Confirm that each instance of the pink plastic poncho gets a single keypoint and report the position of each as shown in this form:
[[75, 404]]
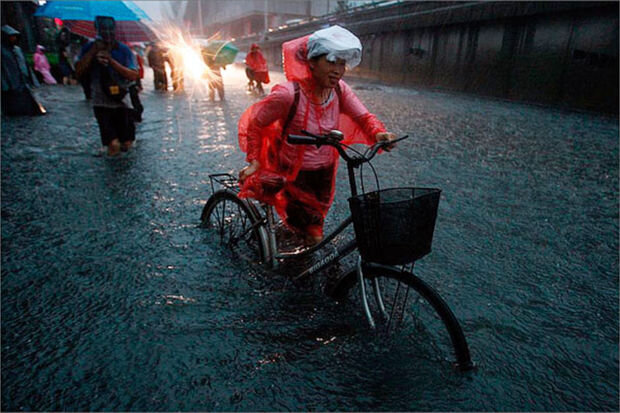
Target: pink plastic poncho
[[261, 137], [42, 66]]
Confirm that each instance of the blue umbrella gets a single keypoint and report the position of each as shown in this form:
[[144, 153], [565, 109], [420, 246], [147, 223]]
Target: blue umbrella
[[88, 10]]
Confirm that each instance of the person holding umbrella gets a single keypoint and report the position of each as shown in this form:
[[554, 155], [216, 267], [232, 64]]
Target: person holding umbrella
[[112, 67], [216, 55], [214, 77]]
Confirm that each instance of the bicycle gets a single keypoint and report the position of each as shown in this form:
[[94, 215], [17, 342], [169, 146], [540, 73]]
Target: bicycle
[[254, 87], [383, 272]]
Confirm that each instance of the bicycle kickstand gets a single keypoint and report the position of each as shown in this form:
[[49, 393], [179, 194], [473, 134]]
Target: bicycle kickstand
[[271, 226]]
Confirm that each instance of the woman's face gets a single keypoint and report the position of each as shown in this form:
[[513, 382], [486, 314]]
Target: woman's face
[[325, 73]]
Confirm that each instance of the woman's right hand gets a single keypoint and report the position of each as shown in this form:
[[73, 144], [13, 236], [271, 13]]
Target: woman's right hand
[[248, 170]]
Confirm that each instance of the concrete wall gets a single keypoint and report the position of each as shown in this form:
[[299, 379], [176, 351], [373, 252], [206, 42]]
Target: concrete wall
[[557, 53]]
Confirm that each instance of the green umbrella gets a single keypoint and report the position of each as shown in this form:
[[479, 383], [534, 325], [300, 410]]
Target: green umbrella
[[223, 51]]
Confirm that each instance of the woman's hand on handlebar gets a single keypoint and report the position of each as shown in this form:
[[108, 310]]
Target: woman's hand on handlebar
[[386, 136], [248, 170]]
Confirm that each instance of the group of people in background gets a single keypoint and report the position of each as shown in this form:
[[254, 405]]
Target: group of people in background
[[19, 76], [307, 101], [159, 56], [68, 47], [110, 74]]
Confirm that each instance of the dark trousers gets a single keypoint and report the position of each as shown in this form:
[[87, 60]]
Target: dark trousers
[[115, 123], [302, 216], [159, 79], [134, 94], [85, 82]]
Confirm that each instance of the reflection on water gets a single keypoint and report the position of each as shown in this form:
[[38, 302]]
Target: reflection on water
[[114, 299]]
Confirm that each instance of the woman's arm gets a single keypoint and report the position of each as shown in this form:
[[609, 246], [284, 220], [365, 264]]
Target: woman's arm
[[275, 106], [369, 123]]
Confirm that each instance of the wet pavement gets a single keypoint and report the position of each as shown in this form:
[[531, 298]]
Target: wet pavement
[[113, 299]]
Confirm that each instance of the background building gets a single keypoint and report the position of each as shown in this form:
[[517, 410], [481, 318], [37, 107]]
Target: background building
[[235, 18], [562, 53], [18, 14]]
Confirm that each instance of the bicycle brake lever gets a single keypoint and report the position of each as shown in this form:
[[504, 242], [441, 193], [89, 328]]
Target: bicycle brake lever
[[402, 138], [392, 142]]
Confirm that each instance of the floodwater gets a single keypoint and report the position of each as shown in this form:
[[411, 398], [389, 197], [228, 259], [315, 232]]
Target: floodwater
[[114, 299]]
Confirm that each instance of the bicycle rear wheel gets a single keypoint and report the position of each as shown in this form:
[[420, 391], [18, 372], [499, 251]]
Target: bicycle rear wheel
[[407, 311], [236, 225]]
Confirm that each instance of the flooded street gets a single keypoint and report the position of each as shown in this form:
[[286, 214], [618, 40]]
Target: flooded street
[[114, 299]]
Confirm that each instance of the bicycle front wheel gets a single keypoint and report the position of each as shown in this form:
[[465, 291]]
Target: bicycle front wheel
[[236, 225], [407, 311]]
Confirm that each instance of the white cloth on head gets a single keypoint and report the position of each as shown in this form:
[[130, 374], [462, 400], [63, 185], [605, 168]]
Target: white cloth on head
[[337, 43]]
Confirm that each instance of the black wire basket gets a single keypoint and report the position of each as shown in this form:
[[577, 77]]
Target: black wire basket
[[395, 226]]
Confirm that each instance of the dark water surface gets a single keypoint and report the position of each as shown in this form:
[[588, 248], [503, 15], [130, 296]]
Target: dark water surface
[[113, 299]]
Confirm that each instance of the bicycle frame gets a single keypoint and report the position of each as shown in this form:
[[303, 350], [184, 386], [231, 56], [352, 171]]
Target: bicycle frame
[[331, 258], [263, 222], [267, 221]]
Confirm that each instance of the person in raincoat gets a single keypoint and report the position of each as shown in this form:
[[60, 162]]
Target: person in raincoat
[[299, 180], [42, 65], [256, 68], [19, 68], [17, 98]]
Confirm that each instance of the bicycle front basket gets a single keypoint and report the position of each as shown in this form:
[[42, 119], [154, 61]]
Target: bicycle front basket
[[395, 226]]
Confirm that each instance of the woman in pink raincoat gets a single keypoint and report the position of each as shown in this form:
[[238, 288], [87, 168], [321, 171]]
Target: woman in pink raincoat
[[299, 179], [42, 66]]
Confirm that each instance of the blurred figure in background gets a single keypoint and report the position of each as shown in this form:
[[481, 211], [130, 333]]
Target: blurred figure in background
[[85, 78], [157, 61], [17, 98], [214, 77], [136, 51], [10, 38], [136, 87], [256, 69], [175, 60], [42, 66], [65, 65]]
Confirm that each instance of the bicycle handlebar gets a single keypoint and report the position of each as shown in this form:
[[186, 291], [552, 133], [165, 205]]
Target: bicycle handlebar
[[301, 140], [333, 139]]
